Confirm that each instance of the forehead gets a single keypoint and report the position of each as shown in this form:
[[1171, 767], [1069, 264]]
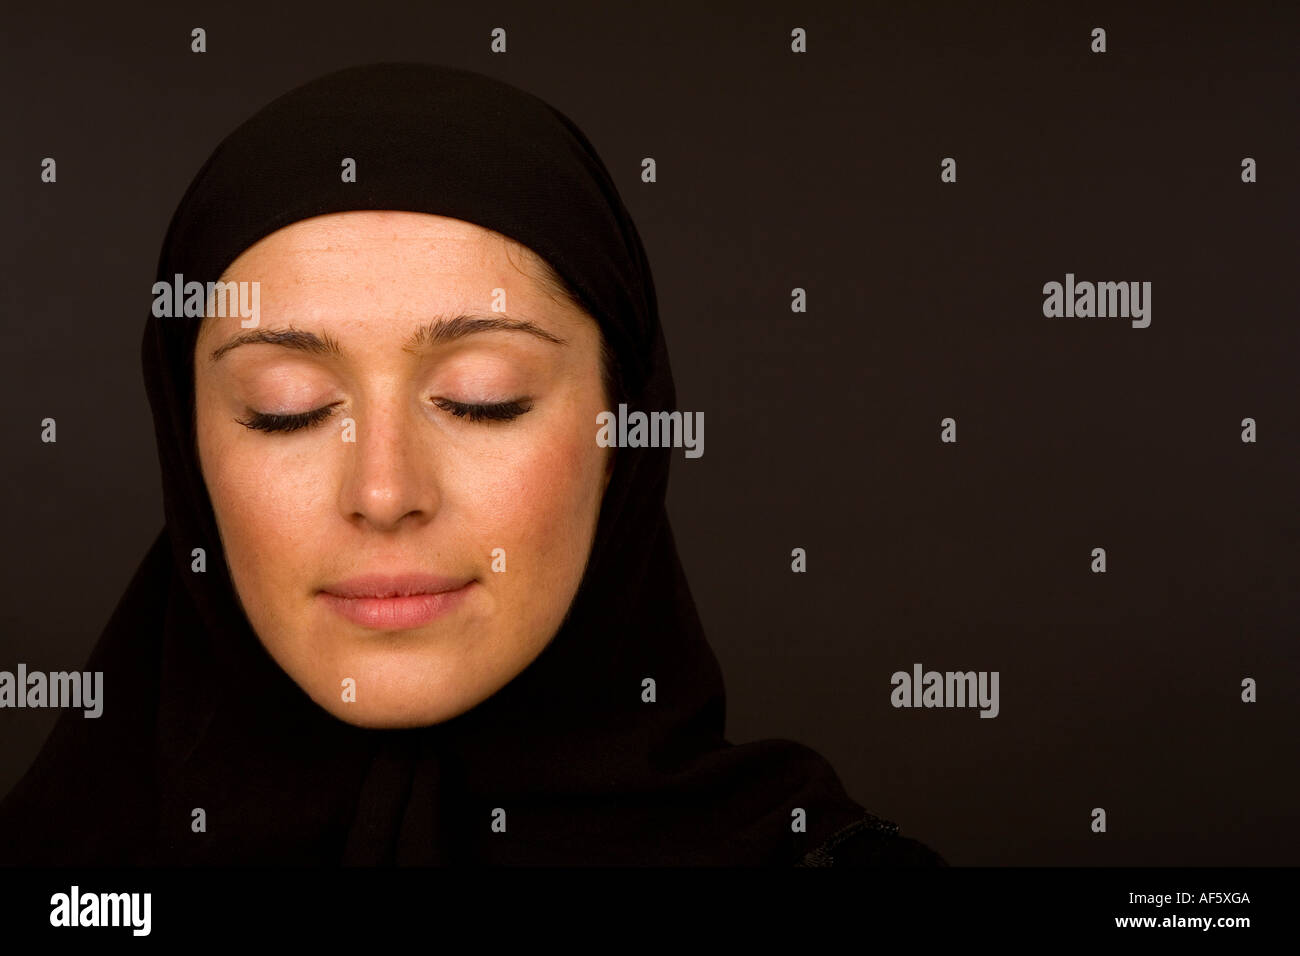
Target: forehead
[[394, 267], [353, 245]]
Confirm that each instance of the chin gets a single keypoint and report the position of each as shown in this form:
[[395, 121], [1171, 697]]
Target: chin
[[381, 681], [389, 718], [394, 711]]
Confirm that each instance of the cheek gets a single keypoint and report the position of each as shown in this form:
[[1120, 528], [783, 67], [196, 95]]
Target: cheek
[[269, 510], [539, 502]]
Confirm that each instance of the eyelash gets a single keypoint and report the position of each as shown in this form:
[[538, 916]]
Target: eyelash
[[498, 412], [491, 413]]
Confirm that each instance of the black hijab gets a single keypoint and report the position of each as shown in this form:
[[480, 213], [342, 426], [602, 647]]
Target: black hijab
[[198, 715]]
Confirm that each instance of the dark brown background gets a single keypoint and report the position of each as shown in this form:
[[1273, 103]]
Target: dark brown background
[[820, 171]]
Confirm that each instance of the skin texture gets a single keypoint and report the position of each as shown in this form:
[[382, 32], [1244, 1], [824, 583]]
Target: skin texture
[[419, 489]]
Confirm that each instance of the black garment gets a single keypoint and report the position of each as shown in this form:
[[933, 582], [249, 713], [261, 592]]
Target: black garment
[[198, 715], [872, 841]]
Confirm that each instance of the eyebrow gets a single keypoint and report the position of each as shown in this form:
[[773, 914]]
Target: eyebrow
[[437, 332]]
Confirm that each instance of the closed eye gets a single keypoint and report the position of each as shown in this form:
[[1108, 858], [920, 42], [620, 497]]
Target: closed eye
[[495, 412], [271, 422]]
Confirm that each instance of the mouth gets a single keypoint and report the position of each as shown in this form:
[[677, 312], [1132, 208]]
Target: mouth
[[395, 602]]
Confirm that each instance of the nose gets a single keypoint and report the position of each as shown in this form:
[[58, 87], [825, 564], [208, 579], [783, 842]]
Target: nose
[[388, 480]]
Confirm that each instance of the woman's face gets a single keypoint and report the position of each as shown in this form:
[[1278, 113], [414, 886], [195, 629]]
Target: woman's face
[[450, 461]]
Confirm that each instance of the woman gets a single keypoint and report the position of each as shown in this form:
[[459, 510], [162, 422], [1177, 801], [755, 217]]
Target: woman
[[405, 608]]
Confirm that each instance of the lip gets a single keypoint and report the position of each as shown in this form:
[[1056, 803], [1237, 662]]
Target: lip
[[395, 601]]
